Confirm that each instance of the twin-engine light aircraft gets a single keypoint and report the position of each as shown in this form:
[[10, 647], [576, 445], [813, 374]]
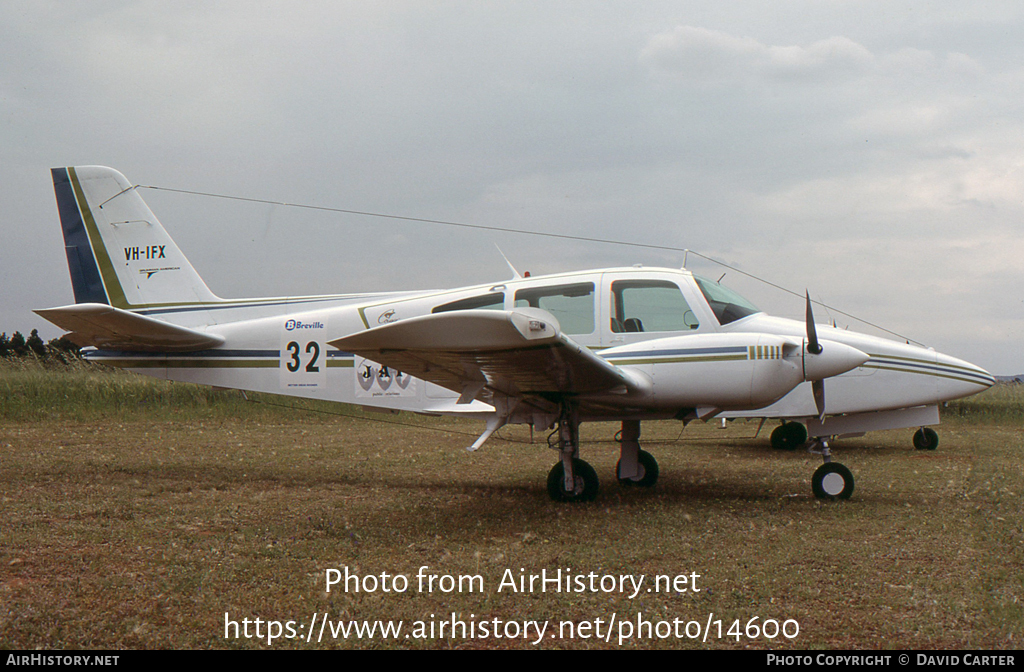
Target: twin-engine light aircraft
[[618, 344]]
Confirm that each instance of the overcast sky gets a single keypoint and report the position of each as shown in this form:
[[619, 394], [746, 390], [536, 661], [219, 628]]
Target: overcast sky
[[871, 152]]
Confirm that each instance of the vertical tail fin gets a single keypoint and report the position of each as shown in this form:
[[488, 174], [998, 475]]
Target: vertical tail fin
[[118, 252]]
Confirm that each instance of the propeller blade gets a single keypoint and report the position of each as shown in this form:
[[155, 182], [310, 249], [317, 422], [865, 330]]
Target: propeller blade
[[813, 346], [818, 387]]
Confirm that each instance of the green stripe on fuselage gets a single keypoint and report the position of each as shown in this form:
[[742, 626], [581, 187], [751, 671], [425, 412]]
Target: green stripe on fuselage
[[920, 372], [676, 360], [927, 362], [138, 363]]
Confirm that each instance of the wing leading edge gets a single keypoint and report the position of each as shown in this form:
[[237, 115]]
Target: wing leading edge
[[481, 352]]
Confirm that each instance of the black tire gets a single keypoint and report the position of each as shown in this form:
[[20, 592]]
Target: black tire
[[648, 471], [926, 438], [789, 436], [796, 433], [832, 481], [586, 483]]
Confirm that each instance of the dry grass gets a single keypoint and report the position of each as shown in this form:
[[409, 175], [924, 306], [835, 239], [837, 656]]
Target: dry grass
[[141, 530]]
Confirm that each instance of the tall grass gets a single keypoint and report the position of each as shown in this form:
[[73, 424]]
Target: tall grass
[[32, 391], [1003, 403]]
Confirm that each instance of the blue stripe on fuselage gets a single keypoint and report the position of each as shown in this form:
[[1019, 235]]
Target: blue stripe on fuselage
[[955, 371], [221, 354], [229, 305]]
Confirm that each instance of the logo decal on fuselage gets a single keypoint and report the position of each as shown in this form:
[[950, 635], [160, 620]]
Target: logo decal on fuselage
[[379, 380], [292, 325], [150, 272], [304, 353]]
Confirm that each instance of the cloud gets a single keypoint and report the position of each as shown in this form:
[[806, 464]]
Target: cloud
[[703, 54]]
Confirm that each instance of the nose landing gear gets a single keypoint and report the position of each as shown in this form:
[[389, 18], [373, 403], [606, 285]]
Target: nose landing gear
[[831, 480]]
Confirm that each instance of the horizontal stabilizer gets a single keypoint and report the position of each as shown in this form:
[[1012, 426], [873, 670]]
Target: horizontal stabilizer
[[479, 352], [102, 326]]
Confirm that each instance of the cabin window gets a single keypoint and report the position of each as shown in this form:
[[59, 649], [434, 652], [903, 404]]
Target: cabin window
[[495, 301], [650, 305], [572, 305], [727, 305]]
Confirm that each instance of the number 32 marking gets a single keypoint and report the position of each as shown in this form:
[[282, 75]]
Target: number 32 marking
[[311, 348]]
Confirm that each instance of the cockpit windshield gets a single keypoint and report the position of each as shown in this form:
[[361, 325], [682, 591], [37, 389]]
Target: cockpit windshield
[[727, 305]]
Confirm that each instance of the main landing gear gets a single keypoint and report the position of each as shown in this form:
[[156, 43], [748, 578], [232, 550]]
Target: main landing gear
[[926, 439], [789, 436], [573, 480], [636, 467]]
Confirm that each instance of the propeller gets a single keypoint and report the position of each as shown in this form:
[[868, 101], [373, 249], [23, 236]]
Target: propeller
[[814, 348], [824, 359]]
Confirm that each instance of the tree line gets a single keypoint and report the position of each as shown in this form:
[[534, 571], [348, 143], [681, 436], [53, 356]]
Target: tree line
[[17, 346]]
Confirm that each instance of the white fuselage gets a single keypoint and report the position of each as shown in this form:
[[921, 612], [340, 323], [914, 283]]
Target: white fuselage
[[653, 322]]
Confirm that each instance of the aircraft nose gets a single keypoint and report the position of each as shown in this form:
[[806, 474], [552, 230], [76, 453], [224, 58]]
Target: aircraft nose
[[834, 359], [960, 378]]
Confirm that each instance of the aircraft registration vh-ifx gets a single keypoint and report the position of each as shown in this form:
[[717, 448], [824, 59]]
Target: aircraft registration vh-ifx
[[618, 344]]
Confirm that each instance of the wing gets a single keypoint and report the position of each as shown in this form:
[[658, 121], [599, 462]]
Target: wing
[[104, 326], [481, 352]]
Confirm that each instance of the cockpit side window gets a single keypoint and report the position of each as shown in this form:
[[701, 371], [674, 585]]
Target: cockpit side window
[[727, 305], [650, 305], [494, 301], [572, 305]]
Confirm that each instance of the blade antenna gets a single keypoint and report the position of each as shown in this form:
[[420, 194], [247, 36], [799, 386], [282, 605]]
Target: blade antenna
[[516, 275]]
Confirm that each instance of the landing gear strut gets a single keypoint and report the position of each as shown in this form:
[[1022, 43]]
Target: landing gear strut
[[636, 467], [571, 479], [926, 439], [831, 480]]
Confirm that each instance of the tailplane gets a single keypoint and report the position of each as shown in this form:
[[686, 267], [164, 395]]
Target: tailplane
[[118, 252]]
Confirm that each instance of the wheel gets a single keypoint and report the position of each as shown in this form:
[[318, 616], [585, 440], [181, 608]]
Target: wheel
[[796, 433], [789, 436], [586, 483], [648, 467], [926, 439], [832, 481]]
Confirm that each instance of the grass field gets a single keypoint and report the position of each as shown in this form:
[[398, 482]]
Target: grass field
[[137, 513]]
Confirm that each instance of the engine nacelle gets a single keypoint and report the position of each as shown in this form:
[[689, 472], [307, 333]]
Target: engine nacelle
[[728, 371]]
